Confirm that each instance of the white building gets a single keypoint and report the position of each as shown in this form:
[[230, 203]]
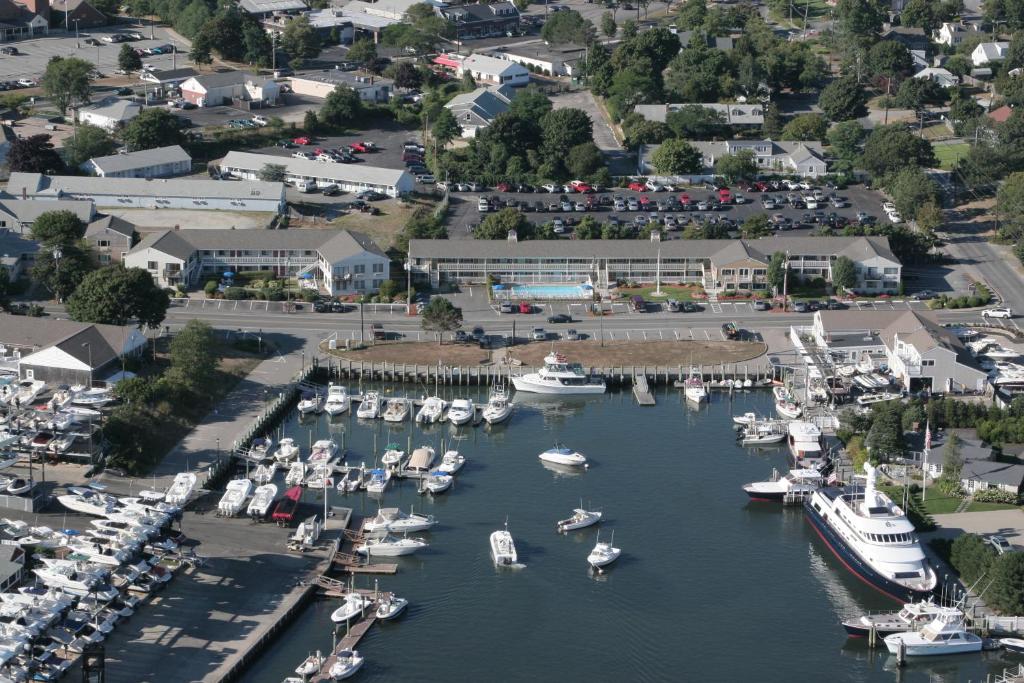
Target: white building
[[348, 177], [110, 113], [20, 214], [732, 114], [160, 162], [552, 60], [486, 69], [952, 33], [476, 110], [985, 53], [340, 261], [799, 158], [943, 77], [230, 88], [144, 193], [322, 83]]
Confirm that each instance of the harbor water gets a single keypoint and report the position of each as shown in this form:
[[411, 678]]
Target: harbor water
[[709, 587]]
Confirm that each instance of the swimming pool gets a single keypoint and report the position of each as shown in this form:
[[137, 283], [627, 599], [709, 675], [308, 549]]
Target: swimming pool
[[514, 291]]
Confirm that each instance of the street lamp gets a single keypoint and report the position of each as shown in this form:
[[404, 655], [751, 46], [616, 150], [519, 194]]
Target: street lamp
[[57, 256], [88, 346]]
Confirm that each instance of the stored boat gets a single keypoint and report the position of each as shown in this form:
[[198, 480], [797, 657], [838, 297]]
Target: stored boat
[[389, 546], [92, 397], [558, 376], [284, 511], [870, 398], [261, 501], [461, 411], [438, 482], [393, 456], [913, 616], [498, 408], [396, 410], [603, 553], [451, 462], [18, 486], [82, 414], [309, 403], [432, 410], [264, 474], [503, 548], [580, 518], [796, 484], [286, 450], [560, 455], [234, 497], [346, 664], [946, 634], [369, 407], [338, 401], [260, 448], [296, 474], [88, 502], [420, 461], [394, 520]]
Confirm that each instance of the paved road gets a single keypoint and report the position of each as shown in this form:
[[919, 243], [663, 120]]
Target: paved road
[[992, 263], [604, 138]]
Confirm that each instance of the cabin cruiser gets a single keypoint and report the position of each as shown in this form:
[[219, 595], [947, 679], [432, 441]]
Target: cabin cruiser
[[396, 521], [580, 518], [66, 576], [353, 606], [234, 497], [797, 483], [785, 404], [558, 376], [296, 474], [286, 450], [379, 480], [945, 634], [323, 451], [763, 433], [432, 410], [604, 553], [261, 501], [346, 664], [498, 408], [913, 616], [337, 401], [805, 442], [369, 407], [873, 538], [503, 548], [421, 460], [438, 482], [88, 501], [693, 389], [389, 546], [560, 455], [461, 411], [396, 410], [451, 462], [393, 456]]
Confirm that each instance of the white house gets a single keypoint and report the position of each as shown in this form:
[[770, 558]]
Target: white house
[[952, 33], [924, 355], [320, 84], [553, 60], [943, 77], [985, 53], [475, 110], [160, 162], [800, 158], [110, 113], [348, 177], [230, 87], [486, 69]]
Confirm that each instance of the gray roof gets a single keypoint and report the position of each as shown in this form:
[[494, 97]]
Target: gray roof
[[117, 163], [28, 210], [542, 52], [483, 103], [12, 247], [979, 463], [12, 561], [221, 79], [113, 108], [491, 66], [107, 224], [68, 335], [734, 114], [333, 245], [168, 75], [54, 186], [847, 321], [349, 78], [169, 242], [263, 6], [374, 175], [923, 332]]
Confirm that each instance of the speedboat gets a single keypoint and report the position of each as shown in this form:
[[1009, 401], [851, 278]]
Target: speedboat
[[580, 518], [558, 376], [260, 448], [61, 422], [797, 484], [353, 606], [785, 404], [379, 479], [61, 398], [461, 411], [337, 401], [390, 606], [351, 481], [390, 546], [286, 450], [320, 475], [296, 474], [745, 418], [1012, 644], [432, 410], [503, 548], [234, 497], [394, 520], [498, 408], [438, 482], [310, 666], [913, 616], [261, 501], [87, 501], [369, 407], [82, 414], [61, 443], [309, 403], [946, 634], [346, 664], [560, 455], [393, 456], [264, 474], [694, 389], [396, 410], [323, 451], [763, 433], [28, 390], [451, 463], [604, 553], [19, 485], [92, 397]]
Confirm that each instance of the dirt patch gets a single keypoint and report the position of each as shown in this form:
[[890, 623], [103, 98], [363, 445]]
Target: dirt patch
[[419, 353], [384, 228]]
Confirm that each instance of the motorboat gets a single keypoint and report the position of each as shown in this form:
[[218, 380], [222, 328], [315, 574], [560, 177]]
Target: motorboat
[[261, 501], [259, 449], [61, 421], [319, 476], [92, 397], [913, 616], [796, 485], [28, 390], [389, 546], [296, 474], [369, 406], [120, 522], [693, 389], [805, 442], [559, 376], [286, 450], [19, 486], [420, 461], [396, 410], [498, 408], [87, 501], [309, 403], [346, 664], [181, 488], [393, 456], [235, 494], [438, 482], [432, 410], [338, 401], [873, 538], [945, 634], [61, 443], [351, 481], [503, 548], [451, 462], [353, 606], [461, 411], [560, 455], [604, 553], [82, 414], [323, 451], [310, 666], [580, 519], [284, 511], [785, 404], [871, 398], [1012, 644], [264, 474], [390, 606], [763, 433], [61, 398], [396, 521], [745, 418], [379, 480], [96, 551], [65, 575], [41, 440]]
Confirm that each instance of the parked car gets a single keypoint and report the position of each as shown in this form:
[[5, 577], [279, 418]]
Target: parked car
[[507, 308], [762, 305], [636, 186], [539, 334], [477, 333], [800, 307], [301, 140], [559, 318], [461, 336], [923, 295], [331, 190], [572, 335], [997, 313], [525, 307], [1000, 544], [836, 305]]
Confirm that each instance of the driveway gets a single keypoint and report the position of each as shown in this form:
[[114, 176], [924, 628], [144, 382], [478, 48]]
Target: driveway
[[584, 99]]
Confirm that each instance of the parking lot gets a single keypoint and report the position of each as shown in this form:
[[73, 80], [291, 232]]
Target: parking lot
[[388, 138]]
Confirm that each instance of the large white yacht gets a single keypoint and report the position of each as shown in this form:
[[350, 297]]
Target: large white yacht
[[558, 376], [338, 401], [873, 537]]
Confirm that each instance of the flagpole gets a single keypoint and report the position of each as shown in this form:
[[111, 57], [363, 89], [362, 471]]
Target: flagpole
[[924, 467]]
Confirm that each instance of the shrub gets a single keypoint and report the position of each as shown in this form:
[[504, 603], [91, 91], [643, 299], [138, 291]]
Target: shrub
[[275, 295], [310, 295], [210, 288], [996, 496], [235, 293]]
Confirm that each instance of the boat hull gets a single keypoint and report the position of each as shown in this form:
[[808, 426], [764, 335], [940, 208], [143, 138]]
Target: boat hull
[[527, 385], [858, 629], [765, 496], [934, 649]]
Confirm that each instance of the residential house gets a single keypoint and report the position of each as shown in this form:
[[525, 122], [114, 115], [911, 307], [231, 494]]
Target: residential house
[[20, 214], [984, 468], [234, 88], [910, 37], [371, 88], [159, 162], [805, 159], [76, 14], [111, 238], [943, 77], [952, 33], [1001, 114], [17, 253], [723, 43], [482, 20], [263, 9], [26, 19], [110, 113], [550, 60], [485, 69], [923, 355], [735, 115], [340, 261], [986, 53], [348, 177], [476, 110]]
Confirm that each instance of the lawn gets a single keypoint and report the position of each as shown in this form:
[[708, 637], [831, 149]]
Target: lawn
[[936, 504], [948, 155], [988, 507], [678, 293], [385, 227]]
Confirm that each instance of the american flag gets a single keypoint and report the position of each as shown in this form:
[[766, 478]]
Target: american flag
[[833, 479], [928, 436]]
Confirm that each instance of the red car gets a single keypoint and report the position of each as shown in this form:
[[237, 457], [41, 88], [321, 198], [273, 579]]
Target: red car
[[301, 141], [761, 186], [684, 199], [580, 186], [503, 187], [524, 307], [644, 200], [637, 186], [358, 147]]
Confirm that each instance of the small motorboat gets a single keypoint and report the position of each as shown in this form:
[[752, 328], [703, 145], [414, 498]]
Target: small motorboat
[[379, 480], [309, 402], [323, 451], [451, 463], [310, 666], [346, 664], [390, 546], [390, 606], [763, 433], [694, 389], [393, 456], [234, 497], [319, 476], [604, 553], [797, 484], [82, 414], [19, 486], [337, 401], [394, 520], [286, 450], [503, 548], [946, 634], [580, 518], [284, 511], [353, 606], [61, 443], [396, 410], [296, 474], [261, 501], [181, 488], [92, 397], [461, 411], [438, 482], [432, 410], [369, 406], [560, 455], [259, 450], [1013, 644], [913, 616], [745, 418], [785, 404], [498, 408], [351, 481], [264, 474]]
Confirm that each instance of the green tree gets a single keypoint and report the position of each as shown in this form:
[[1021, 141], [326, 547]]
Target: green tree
[[193, 359], [496, 226], [963, 112], [845, 138], [637, 130], [952, 458], [888, 58], [972, 557], [916, 93], [441, 316], [300, 40], [885, 438], [776, 275], [422, 225], [844, 273], [857, 453], [567, 26], [445, 128], [310, 121], [1007, 590], [34, 154], [843, 99], [694, 122], [584, 160], [757, 225], [363, 52], [57, 229], [468, 83], [191, 20], [929, 217], [66, 82], [691, 15], [201, 51], [890, 148], [608, 25], [629, 29], [89, 141], [406, 75], [115, 295], [911, 188], [152, 128], [806, 127], [530, 104], [677, 157], [563, 129], [273, 173], [1010, 203], [61, 268], [736, 166], [128, 60], [587, 229], [342, 107]]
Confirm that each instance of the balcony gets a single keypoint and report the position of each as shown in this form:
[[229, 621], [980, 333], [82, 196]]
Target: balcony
[[209, 261]]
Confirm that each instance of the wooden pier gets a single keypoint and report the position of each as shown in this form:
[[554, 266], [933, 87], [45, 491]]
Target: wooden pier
[[642, 391], [354, 564]]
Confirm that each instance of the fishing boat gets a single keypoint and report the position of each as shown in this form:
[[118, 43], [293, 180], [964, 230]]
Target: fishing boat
[[390, 606], [913, 616], [580, 519], [797, 484], [352, 480], [369, 407], [693, 388], [234, 497], [393, 456], [338, 401], [259, 450], [323, 451], [264, 474], [396, 410], [945, 634], [503, 548], [181, 488], [604, 553], [438, 482], [92, 397], [319, 476], [745, 418], [498, 408], [353, 606], [296, 474], [390, 546], [394, 520], [763, 433], [284, 511], [785, 404], [310, 666], [309, 402], [461, 411], [559, 376], [432, 410], [451, 462], [346, 664], [379, 479], [261, 501], [560, 455], [286, 450]]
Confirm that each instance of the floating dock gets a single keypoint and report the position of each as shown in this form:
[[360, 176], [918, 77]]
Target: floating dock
[[642, 391]]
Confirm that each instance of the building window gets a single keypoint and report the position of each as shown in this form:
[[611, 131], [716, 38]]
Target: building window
[[104, 243], [378, 267], [361, 268], [104, 258], [928, 363], [152, 265], [891, 271]]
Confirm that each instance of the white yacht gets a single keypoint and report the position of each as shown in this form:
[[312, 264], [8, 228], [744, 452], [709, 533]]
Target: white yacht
[[560, 455], [873, 538], [432, 410], [323, 451], [394, 520], [558, 376], [396, 410], [310, 403], [286, 450], [261, 501], [390, 606], [461, 411], [785, 404], [346, 664], [694, 389], [369, 406], [946, 634], [88, 502], [805, 442], [337, 401], [91, 397], [503, 548], [451, 462], [393, 456], [797, 483], [764, 433], [498, 408], [580, 519], [65, 575], [604, 553], [233, 500], [389, 546]]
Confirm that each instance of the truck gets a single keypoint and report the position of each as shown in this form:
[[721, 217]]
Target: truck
[[377, 329]]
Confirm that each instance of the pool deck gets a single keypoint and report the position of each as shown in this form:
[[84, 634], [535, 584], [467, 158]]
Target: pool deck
[[578, 292]]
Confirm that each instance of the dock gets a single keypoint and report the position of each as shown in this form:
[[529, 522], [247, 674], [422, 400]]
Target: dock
[[642, 391], [354, 632], [354, 564]]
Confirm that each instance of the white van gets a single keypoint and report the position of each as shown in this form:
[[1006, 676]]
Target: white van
[[305, 186]]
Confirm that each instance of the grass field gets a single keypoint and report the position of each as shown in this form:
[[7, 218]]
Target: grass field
[[678, 293], [987, 507], [949, 154], [938, 505]]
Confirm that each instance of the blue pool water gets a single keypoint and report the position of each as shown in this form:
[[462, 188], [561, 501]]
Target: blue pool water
[[543, 291]]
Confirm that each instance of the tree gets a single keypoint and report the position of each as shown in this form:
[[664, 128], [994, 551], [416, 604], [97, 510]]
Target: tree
[[530, 104], [1010, 202], [422, 225], [88, 141], [806, 127], [273, 173], [845, 138], [567, 26], [843, 99], [584, 160], [563, 129], [54, 229], [300, 40], [694, 122], [496, 226], [587, 229], [445, 128], [890, 148], [406, 75], [755, 226], [193, 359], [441, 316], [736, 166], [971, 556], [608, 25], [34, 154], [929, 217], [1007, 591], [888, 58], [66, 81], [885, 438], [116, 295], [310, 121], [691, 15], [859, 18], [152, 128], [363, 51], [952, 458], [637, 131], [629, 29], [844, 273], [341, 107], [201, 51], [468, 83], [677, 157], [915, 93], [776, 275], [128, 60], [60, 269], [963, 112], [912, 188]]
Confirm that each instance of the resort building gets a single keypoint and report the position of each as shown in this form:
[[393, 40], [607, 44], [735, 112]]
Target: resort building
[[348, 177], [160, 162], [111, 238], [800, 158]]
